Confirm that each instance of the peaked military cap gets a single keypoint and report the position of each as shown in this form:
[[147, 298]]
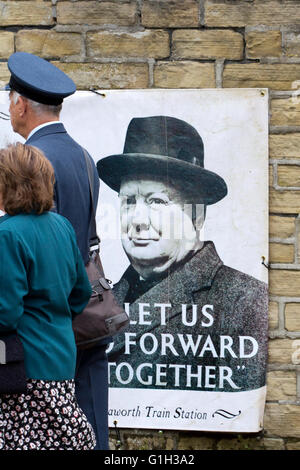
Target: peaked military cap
[[37, 79]]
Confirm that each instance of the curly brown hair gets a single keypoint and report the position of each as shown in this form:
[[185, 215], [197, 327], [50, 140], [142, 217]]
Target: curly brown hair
[[26, 180]]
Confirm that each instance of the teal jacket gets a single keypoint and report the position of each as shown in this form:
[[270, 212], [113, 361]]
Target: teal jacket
[[43, 284]]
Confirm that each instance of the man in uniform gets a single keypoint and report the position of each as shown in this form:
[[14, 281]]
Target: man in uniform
[[195, 323], [37, 89]]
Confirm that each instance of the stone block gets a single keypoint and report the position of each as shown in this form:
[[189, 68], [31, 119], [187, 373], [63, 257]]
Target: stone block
[[239, 442], [288, 175], [25, 13], [271, 175], [6, 44], [263, 44], [170, 13], [170, 443], [281, 227], [286, 112], [146, 44], [281, 351], [273, 315], [284, 282], [284, 145], [293, 445], [273, 443], [281, 253], [4, 74], [196, 443], [292, 316], [298, 242], [96, 13], [273, 76], [248, 13], [145, 443], [282, 420], [284, 201], [291, 44], [108, 75], [184, 74], [214, 44], [49, 44], [281, 385]]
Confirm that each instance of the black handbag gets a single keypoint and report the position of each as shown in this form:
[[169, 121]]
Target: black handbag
[[102, 317], [12, 368]]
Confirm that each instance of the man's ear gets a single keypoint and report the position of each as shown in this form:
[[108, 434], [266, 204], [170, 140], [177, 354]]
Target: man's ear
[[22, 106]]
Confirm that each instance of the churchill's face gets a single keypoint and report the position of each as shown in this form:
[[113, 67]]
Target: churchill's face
[[156, 224]]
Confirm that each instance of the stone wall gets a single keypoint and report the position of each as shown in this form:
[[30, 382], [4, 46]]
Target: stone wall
[[197, 44]]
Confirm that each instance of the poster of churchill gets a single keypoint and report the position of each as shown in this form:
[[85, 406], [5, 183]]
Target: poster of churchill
[[183, 222]]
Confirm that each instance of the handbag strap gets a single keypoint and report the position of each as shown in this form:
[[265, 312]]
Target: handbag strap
[[94, 239]]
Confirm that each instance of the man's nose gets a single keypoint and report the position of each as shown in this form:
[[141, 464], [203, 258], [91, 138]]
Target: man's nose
[[140, 218]]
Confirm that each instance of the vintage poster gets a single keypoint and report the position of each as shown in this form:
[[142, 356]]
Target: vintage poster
[[183, 222]]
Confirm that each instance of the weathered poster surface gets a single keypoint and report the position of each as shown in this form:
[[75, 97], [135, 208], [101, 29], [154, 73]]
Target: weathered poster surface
[[183, 221]]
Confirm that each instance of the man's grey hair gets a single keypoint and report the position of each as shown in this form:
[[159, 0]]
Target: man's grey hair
[[39, 108]]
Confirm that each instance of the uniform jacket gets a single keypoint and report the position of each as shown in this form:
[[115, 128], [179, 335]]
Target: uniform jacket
[[73, 202], [43, 285], [71, 186], [201, 315]]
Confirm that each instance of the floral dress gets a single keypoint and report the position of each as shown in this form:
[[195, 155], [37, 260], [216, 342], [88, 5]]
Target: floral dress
[[46, 417]]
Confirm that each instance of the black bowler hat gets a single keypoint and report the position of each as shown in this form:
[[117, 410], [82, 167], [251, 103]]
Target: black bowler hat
[[38, 79], [166, 147]]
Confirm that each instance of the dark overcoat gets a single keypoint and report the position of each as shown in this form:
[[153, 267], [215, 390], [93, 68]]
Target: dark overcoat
[[205, 324], [72, 200]]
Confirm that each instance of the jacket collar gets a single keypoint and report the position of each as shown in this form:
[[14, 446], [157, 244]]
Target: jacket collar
[[47, 130], [4, 218]]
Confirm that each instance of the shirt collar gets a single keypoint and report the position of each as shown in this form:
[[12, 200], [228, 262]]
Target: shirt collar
[[40, 127]]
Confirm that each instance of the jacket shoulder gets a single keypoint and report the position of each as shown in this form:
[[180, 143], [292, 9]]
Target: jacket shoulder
[[241, 293], [239, 280]]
